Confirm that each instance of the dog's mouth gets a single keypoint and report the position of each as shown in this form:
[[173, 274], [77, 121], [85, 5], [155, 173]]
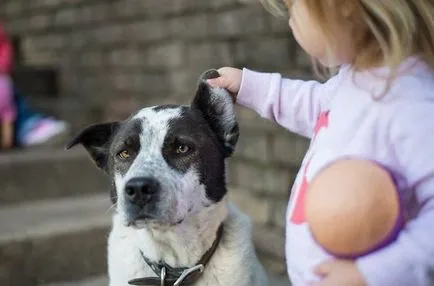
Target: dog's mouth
[[165, 217], [140, 219], [143, 220]]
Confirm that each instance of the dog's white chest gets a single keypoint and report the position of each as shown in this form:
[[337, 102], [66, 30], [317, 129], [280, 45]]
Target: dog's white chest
[[234, 263]]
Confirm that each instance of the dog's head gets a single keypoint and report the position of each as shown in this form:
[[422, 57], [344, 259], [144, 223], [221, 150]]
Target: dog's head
[[166, 162]]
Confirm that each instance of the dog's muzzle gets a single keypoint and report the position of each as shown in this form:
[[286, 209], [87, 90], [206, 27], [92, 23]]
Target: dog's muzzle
[[141, 191]]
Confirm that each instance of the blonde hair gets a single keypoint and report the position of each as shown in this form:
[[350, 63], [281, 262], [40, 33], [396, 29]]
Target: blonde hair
[[386, 32]]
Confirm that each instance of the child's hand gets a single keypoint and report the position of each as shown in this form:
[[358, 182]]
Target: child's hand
[[230, 79], [338, 273]]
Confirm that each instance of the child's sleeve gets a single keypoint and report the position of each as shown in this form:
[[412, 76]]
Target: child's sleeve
[[410, 259], [293, 104]]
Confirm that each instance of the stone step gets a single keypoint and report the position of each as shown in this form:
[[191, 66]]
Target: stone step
[[47, 173], [54, 240], [279, 280], [103, 281], [72, 110], [49, 241], [93, 281]]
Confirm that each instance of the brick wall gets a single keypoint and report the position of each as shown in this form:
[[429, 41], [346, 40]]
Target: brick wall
[[260, 173], [116, 55]]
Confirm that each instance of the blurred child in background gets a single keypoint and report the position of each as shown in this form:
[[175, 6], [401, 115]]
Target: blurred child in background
[[21, 126]]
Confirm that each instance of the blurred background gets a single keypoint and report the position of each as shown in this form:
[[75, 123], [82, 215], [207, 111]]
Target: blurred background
[[85, 61]]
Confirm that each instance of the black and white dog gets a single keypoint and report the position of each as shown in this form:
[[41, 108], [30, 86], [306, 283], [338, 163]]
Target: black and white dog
[[173, 223]]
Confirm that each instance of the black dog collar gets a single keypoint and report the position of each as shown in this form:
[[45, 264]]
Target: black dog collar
[[181, 276]]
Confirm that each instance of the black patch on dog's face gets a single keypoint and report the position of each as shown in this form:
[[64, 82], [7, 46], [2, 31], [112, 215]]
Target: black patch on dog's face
[[205, 153], [127, 139], [164, 107]]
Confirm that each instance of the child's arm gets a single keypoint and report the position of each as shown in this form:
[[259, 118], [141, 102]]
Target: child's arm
[[294, 104], [410, 259]]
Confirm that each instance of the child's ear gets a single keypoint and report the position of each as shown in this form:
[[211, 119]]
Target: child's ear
[[216, 106], [96, 139]]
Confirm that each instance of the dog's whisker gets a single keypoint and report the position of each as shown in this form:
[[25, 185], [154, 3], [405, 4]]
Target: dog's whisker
[[112, 207]]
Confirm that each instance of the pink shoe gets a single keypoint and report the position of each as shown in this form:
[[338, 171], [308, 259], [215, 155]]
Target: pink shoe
[[46, 132]]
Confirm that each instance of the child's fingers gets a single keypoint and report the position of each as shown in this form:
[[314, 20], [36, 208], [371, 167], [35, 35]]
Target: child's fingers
[[229, 79], [219, 82], [323, 269]]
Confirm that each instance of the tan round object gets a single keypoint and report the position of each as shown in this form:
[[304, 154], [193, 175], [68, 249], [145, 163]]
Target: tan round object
[[352, 206]]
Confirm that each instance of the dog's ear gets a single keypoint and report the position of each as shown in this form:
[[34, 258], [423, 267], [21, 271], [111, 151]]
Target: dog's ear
[[95, 139], [216, 106]]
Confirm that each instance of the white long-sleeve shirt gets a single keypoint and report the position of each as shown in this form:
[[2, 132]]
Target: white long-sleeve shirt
[[342, 119]]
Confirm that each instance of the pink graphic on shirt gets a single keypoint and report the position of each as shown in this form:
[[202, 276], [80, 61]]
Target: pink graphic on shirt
[[322, 122], [297, 215]]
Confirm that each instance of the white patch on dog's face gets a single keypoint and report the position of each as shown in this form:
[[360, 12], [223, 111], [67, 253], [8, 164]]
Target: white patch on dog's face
[[181, 193]]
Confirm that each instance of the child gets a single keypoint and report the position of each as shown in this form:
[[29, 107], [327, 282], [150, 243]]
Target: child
[[380, 106], [30, 128], [7, 108]]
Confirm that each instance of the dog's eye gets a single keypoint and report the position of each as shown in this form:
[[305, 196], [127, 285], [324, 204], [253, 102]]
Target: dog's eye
[[182, 149], [124, 154]]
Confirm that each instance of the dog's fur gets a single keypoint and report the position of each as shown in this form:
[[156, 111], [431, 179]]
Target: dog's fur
[[182, 151]]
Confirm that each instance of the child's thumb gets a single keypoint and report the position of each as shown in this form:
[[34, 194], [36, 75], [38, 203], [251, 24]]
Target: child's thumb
[[221, 82]]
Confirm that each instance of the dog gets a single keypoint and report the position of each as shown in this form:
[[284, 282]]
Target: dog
[[173, 223]]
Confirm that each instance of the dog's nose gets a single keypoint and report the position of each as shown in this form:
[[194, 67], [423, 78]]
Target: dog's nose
[[141, 190]]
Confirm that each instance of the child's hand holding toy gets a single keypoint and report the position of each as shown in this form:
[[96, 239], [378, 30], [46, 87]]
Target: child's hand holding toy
[[353, 209]]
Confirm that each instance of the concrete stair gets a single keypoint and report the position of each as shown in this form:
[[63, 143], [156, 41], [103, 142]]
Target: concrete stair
[[103, 281], [55, 216], [93, 281], [35, 174], [77, 113], [53, 240]]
